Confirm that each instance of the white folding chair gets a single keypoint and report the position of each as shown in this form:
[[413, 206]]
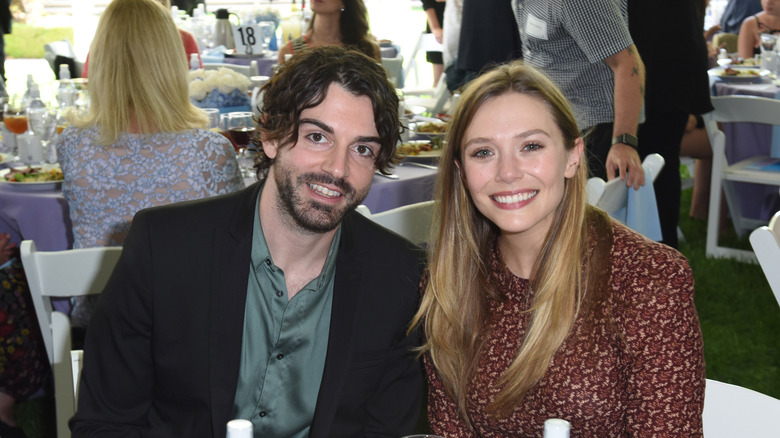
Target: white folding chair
[[395, 69], [411, 221], [731, 109], [58, 274], [766, 244], [426, 42], [733, 411], [613, 195]]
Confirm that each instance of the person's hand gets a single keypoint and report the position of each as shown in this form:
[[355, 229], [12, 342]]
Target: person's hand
[[438, 33], [624, 160], [6, 248]]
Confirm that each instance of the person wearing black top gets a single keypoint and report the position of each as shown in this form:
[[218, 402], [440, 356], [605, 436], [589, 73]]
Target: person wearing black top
[[671, 93]]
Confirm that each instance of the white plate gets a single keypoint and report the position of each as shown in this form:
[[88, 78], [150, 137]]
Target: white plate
[[431, 153], [746, 74], [31, 186]]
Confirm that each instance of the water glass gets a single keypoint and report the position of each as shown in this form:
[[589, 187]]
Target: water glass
[[213, 114]]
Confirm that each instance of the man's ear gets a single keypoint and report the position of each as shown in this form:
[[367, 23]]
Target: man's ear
[[271, 148]]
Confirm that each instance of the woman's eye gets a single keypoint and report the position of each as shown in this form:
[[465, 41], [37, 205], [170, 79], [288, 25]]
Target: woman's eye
[[481, 153], [532, 147]]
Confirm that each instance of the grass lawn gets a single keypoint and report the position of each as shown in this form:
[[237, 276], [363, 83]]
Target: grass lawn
[[27, 41]]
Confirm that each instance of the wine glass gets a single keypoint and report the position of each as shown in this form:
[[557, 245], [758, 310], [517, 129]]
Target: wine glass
[[15, 119], [241, 129]]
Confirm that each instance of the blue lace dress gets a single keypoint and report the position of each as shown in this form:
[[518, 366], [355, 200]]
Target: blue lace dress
[[106, 185]]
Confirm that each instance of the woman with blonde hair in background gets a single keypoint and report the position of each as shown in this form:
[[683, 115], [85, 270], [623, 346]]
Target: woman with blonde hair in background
[[188, 41], [142, 142], [338, 23], [536, 304]]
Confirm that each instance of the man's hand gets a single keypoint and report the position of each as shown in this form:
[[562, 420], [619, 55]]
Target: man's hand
[[624, 160]]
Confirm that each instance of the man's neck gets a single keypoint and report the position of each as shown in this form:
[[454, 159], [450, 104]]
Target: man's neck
[[300, 254]]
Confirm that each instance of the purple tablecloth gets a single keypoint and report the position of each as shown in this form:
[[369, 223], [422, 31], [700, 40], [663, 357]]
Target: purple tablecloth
[[757, 201], [415, 184], [40, 215]]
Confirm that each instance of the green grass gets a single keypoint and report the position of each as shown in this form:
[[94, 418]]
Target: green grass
[[739, 315], [27, 41]]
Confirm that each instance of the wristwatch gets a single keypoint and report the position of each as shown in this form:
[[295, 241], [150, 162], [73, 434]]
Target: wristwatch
[[626, 139]]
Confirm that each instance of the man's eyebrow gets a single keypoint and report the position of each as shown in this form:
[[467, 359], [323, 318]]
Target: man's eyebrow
[[319, 124], [329, 130]]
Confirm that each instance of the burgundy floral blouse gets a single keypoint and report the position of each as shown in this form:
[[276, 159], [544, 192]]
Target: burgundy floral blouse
[[632, 366]]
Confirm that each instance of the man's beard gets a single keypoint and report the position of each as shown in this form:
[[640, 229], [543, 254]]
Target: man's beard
[[314, 216]]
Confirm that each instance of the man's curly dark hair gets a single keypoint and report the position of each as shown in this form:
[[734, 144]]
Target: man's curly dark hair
[[302, 82]]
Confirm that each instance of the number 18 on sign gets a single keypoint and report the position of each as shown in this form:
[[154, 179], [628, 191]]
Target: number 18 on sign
[[248, 40]]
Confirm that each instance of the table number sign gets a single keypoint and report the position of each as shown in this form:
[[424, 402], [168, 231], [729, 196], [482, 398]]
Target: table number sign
[[248, 39]]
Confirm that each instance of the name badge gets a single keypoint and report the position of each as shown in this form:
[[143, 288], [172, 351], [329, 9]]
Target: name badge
[[535, 27]]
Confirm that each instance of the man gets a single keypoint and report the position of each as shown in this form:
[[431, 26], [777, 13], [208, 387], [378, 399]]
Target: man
[[279, 304], [586, 49], [671, 95]]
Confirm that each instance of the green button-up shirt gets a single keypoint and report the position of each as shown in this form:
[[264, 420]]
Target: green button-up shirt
[[284, 344]]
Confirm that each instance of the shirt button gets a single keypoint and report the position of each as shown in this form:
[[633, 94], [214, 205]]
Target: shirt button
[[279, 293], [279, 356], [268, 262], [262, 414]]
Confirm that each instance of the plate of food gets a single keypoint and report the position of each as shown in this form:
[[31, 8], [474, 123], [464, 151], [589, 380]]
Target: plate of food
[[418, 148], [32, 178], [737, 74], [432, 130]]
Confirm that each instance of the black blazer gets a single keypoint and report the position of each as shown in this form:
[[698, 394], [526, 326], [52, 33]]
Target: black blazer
[[162, 350]]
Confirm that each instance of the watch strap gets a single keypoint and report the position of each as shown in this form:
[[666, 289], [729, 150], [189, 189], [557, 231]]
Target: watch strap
[[626, 139]]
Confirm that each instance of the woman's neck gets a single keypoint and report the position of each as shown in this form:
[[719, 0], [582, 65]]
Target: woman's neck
[[326, 30]]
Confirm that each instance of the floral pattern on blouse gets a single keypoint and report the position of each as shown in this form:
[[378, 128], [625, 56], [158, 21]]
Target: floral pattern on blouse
[[23, 360], [635, 369], [106, 185]]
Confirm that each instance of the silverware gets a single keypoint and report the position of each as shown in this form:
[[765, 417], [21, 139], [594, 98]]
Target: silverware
[[414, 163], [390, 176]]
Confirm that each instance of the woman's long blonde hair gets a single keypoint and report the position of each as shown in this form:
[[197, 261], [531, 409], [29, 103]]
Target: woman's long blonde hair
[[454, 308], [138, 74]]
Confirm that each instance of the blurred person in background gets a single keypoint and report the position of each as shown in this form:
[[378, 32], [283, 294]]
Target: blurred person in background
[[670, 97], [735, 13], [766, 21], [23, 361], [141, 142], [341, 23], [5, 25], [587, 50], [434, 10], [187, 39]]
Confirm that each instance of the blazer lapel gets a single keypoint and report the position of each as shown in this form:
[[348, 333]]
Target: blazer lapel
[[346, 299], [227, 295]]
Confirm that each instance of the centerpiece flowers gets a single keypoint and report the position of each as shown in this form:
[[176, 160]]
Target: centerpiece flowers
[[220, 88]]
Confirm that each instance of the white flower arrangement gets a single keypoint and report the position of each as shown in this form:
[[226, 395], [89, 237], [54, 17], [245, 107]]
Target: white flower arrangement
[[218, 88]]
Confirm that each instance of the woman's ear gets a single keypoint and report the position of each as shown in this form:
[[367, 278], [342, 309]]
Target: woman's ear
[[575, 157]]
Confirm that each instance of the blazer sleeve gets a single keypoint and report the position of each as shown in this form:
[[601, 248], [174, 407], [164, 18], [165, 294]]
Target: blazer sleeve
[[117, 379]]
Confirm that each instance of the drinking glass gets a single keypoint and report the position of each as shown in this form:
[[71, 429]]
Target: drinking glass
[[213, 114], [15, 119], [241, 128], [267, 31]]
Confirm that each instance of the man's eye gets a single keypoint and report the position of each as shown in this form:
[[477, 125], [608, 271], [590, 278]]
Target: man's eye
[[364, 150], [317, 137]]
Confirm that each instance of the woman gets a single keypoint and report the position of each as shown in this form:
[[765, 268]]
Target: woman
[[142, 143], [766, 21], [336, 22], [187, 39], [569, 314], [23, 361]]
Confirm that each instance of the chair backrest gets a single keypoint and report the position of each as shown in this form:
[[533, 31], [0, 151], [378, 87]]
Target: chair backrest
[[766, 244], [611, 196], [733, 411], [395, 69], [411, 221], [69, 273]]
